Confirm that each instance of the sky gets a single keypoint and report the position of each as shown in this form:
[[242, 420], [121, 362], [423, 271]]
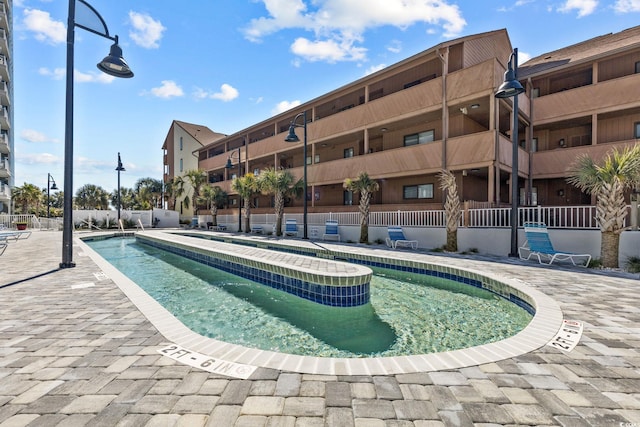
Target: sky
[[227, 64]]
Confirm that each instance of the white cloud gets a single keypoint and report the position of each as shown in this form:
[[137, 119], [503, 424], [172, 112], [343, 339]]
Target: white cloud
[[92, 77], [584, 7], [146, 32], [31, 135], [283, 106], [626, 6], [374, 68], [45, 29], [328, 50], [395, 46], [169, 89], [227, 93], [37, 159], [338, 26], [56, 74]]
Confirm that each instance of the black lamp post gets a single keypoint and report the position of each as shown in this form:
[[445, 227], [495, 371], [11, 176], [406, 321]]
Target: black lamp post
[[292, 137], [50, 181], [114, 65], [511, 87], [229, 165], [119, 168]]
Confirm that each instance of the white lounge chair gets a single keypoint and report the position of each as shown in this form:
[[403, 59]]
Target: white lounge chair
[[539, 245], [397, 237]]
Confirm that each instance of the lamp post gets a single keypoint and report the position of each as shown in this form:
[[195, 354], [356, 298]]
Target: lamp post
[[119, 168], [229, 165], [511, 87], [292, 137], [114, 65], [50, 181]]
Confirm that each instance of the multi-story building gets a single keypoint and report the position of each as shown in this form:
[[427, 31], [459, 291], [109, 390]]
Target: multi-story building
[[7, 172], [181, 147], [437, 110]]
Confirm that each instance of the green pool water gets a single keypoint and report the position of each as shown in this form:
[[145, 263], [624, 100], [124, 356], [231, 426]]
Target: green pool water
[[408, 313]]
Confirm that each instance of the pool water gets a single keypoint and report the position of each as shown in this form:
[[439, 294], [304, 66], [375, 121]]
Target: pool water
[[408, 313]]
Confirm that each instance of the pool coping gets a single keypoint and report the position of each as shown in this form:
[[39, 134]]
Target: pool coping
[[545, 324]]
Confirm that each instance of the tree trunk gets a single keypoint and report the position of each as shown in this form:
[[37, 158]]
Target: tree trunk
[[609, 249], [452, 240]]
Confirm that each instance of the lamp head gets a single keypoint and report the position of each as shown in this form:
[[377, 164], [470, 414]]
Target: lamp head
[[54, 186], [292, 137], [114, 64], [510, 87], [229, 165]]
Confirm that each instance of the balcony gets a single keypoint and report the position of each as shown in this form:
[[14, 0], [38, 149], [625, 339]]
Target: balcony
[[4, 21], [4, 144], [5, 193], [4, 94], [4, 45], [4, 68], [4, 118], [5, 169], [617, 94], [554, 163]]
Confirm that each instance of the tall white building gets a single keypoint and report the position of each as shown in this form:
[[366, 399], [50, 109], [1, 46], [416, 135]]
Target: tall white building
[[7, 172]]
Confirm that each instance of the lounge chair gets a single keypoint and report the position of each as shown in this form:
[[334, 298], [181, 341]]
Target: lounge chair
[[291, 227], [331, 230], [3, 246], [396, 237], [15, 235], [539, 245], [256, 229]]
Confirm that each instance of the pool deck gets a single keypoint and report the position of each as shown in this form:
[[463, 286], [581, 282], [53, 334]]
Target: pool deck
[[75, 351]]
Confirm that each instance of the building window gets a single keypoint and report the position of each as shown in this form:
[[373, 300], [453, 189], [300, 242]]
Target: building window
[[535, 92], [637, 130], [181, 170], [534, 145], [637, 67], [419, 138], [348, 152], [180, 143], [422, 191], [347, 198]]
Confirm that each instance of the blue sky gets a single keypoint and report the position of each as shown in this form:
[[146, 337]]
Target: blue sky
[[227, 64]]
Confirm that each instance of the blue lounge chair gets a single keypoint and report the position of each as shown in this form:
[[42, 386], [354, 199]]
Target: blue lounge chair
[[291, 227], [396, 237], [256, 229], [331, 230], [539, 245]]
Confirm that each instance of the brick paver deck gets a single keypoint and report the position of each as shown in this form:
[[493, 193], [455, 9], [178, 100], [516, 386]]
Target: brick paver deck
[[75, 351]]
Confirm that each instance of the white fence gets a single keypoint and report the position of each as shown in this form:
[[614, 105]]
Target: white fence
[[569, 217]]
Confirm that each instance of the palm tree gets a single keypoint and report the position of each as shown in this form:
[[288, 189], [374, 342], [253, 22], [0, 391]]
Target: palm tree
[[280, 183], [173, 190], [28, 197], [246, 186], [451, 208], [196, 178], [619, 171], [213, 197], [366, 186], [149, 192], [91, 196]]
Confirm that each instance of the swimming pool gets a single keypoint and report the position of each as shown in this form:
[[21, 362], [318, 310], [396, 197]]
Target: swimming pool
[[409, 313]]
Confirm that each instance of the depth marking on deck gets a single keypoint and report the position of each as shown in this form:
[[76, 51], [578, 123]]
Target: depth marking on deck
[[99, 275], [568, 336], [83, 285], [207, 363]]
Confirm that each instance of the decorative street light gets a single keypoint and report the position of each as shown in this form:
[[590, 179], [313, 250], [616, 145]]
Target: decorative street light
[[229, 165], [50, 181], [114, 65], [119, 168], [511, 87], [292, 137]]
